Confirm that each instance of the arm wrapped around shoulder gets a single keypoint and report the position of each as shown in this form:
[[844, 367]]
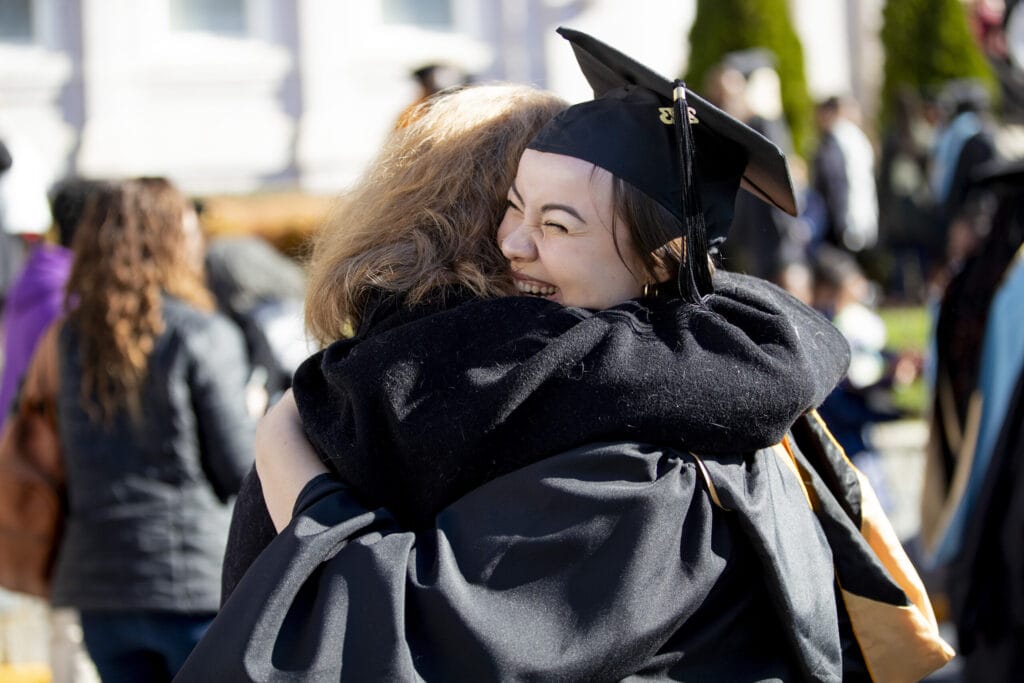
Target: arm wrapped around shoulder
[[767, 359], [444, 399]]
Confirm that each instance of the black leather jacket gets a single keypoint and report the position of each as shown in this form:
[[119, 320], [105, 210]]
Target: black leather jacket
[[148, 502]]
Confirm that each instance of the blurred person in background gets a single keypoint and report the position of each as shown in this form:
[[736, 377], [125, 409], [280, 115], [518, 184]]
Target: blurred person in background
[[974, 266], [907, 227], [964, 142], [861, 224], [960, 398], [764, 241], [843, 178], [34, 301], [431, 78], [981, 543], [262, 291], [154, 428], [999, 26], [828, 174], [24, 209], [797, 278], [36, 297], [843, 294]]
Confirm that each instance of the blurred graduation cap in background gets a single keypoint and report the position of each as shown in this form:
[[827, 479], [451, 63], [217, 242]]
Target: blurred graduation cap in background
[[692, 164], [433, 77], [763, 90], [750, 60], [5, 157], [999, 174], [964, 94]]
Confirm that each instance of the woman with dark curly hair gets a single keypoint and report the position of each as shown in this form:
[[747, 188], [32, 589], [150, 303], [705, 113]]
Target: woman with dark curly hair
[[155, 432]]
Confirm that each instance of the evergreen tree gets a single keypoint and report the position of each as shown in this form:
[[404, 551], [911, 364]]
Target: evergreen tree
[[723, 26], [927, 43]]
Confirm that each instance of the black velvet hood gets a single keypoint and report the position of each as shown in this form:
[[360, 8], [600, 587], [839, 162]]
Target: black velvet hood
[[428, 402]]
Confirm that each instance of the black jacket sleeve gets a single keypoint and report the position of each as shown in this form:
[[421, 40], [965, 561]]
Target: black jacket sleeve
[[217, 383], [421, 413], [251, 531], [830, 181]]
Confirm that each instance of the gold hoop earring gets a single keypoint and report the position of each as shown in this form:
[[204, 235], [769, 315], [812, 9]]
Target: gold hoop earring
[[648, 289]]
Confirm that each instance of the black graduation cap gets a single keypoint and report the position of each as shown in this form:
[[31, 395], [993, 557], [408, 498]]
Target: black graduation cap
[[635, 129], [5, 157], [964, 94]]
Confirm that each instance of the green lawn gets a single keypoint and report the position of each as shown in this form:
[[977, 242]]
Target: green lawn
[[907, 327], [907, 330]]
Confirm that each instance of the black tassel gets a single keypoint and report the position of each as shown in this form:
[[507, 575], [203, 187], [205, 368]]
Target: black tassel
[[694, 274]]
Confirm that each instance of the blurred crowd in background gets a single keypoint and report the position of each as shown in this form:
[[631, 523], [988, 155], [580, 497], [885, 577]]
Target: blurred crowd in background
[[926, 211]]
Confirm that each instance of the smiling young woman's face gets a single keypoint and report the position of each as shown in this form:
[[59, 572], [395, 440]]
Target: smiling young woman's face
[[557, 234]]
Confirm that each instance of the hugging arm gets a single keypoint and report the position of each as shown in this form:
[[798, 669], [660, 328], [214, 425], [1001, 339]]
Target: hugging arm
[[285, 460], [404, 415]]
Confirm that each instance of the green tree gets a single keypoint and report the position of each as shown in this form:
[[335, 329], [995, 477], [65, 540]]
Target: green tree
[[723, 26], [927, 43]]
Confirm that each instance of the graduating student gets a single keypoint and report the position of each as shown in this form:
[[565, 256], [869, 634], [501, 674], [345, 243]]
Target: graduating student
[[580, 484], [983, 516]]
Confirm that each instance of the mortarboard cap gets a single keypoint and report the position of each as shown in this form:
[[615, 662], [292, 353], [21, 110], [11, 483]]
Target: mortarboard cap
[[765, 174], [630, 130], [5, 157], [964, 94], [722, 140]]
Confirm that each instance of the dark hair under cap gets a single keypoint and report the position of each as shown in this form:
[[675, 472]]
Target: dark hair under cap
[[68, 200]]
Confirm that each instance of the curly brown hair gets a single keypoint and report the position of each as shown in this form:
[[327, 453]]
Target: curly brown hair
[[135, 242], [422, 219]]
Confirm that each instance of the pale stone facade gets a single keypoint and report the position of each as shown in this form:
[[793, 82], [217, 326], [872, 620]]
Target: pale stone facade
[[240, 95]]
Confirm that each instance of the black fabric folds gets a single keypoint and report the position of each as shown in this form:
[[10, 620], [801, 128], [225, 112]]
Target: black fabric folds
[[432, 401], [604, 563], [986, 591]]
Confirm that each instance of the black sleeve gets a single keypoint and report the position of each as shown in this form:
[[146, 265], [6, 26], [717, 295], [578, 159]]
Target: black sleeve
[[976, 151], [315, 489], [218, 387], [251, 531], [831, 182], [411, 421]]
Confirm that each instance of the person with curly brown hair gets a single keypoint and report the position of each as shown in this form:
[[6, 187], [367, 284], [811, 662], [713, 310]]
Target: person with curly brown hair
[[154, 428]]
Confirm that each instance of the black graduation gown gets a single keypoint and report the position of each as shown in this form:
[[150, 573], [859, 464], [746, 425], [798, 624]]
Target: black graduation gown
[[607, 562], [601, 563], [427, 402], [436, 402], [596, 563], [986, 590]]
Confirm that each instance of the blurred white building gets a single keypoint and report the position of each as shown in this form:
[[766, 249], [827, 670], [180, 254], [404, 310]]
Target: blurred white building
[[239, 95]]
